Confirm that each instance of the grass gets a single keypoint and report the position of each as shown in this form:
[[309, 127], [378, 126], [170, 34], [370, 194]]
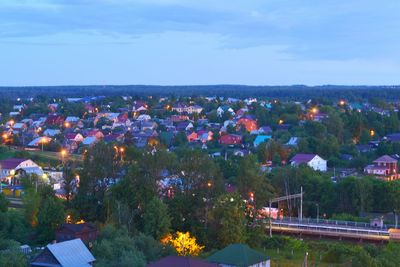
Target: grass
[[43, 156], [285, 258]]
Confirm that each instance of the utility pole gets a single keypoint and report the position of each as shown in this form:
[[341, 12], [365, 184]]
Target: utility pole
[[301, 204], [270, 219], [317, 212]]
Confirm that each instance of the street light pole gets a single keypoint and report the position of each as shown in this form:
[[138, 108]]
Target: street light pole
[[317, 212]]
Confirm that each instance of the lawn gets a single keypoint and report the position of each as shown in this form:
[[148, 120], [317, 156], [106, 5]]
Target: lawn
[[43, 156]]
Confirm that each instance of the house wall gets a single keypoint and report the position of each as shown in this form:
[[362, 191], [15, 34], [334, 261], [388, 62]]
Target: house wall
[[318, 164]]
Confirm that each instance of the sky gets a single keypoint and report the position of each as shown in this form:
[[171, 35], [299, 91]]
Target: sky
[[199, 42]]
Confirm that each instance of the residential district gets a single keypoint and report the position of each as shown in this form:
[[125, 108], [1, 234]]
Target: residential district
[[198, 181]]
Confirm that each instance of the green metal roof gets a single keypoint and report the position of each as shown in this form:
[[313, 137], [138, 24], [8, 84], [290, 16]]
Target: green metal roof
[[239, 255]]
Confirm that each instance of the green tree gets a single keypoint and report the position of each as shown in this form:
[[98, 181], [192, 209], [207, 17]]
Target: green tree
[[50, 217], [116, 248], [251, 180], [228, 220], [156, 219], [3, 203]]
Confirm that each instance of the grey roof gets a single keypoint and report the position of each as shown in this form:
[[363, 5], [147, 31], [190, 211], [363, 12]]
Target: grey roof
[[72, 253]]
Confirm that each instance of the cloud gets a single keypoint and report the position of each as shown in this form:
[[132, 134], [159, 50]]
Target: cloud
[[328, 29]]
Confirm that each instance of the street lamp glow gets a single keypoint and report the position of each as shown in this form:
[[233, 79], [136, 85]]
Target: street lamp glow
[[372, 132], [314, 110]]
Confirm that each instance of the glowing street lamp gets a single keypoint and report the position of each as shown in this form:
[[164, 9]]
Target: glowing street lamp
[[63, 154], [67, 124], [43, 140], [314, 110], [342, 102], [372, 133]]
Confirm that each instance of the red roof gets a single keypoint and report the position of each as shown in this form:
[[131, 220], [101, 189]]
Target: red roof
[[230, 139], [177, 261], [10, 164], [385, 159]]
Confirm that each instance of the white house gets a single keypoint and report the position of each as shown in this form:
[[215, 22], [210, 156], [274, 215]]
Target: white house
[[13, 166], [312, 160]]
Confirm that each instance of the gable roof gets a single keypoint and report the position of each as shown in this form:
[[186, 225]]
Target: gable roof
[[10, 164], [238, 255], [261, 138], [385, 159], [77, 227], [72, 253], [303, 158], [177, 261]]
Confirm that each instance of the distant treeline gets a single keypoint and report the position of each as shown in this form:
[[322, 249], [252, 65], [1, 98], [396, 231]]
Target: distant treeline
[[294, 92]]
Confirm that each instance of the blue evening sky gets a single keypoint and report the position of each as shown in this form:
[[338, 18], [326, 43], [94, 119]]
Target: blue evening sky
[[176, 42]]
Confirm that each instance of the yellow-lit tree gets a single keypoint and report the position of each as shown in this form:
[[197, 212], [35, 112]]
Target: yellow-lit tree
[[184, 243]]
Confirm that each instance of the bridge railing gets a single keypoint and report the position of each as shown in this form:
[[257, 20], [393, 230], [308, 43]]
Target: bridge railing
[[330, 228], [361, 225]]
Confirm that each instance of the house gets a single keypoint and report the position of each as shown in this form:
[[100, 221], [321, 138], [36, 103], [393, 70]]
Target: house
[[179, 261], [71, 253], [261, 139], [96, 133], [365, 148], [384, 167], [230, 139], [239, 255], [265, 130], [247, 123], [11, 167], [68, 231], [312, 160], [395, 137], [293, 141], [144, 117], [71, 120], [192, 137], [51, 132], [205, 136], [54, 119], [184, 126], [35, 143], [139, 107], [75, 137], [225, 109], [89, 141]]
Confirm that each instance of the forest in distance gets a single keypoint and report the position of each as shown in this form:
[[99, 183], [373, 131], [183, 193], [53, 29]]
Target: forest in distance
[[291, 92]]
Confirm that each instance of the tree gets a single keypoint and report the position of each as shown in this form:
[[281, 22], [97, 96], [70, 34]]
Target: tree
[[3, 203], [157, 221], [50, 217], [184, 244], [116, 248], [151, 248], [228, 219], [251, 180], [11, 255], [363, 259]]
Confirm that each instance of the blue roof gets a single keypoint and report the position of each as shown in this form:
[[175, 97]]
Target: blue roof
[[261, 138], [72, 253]]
